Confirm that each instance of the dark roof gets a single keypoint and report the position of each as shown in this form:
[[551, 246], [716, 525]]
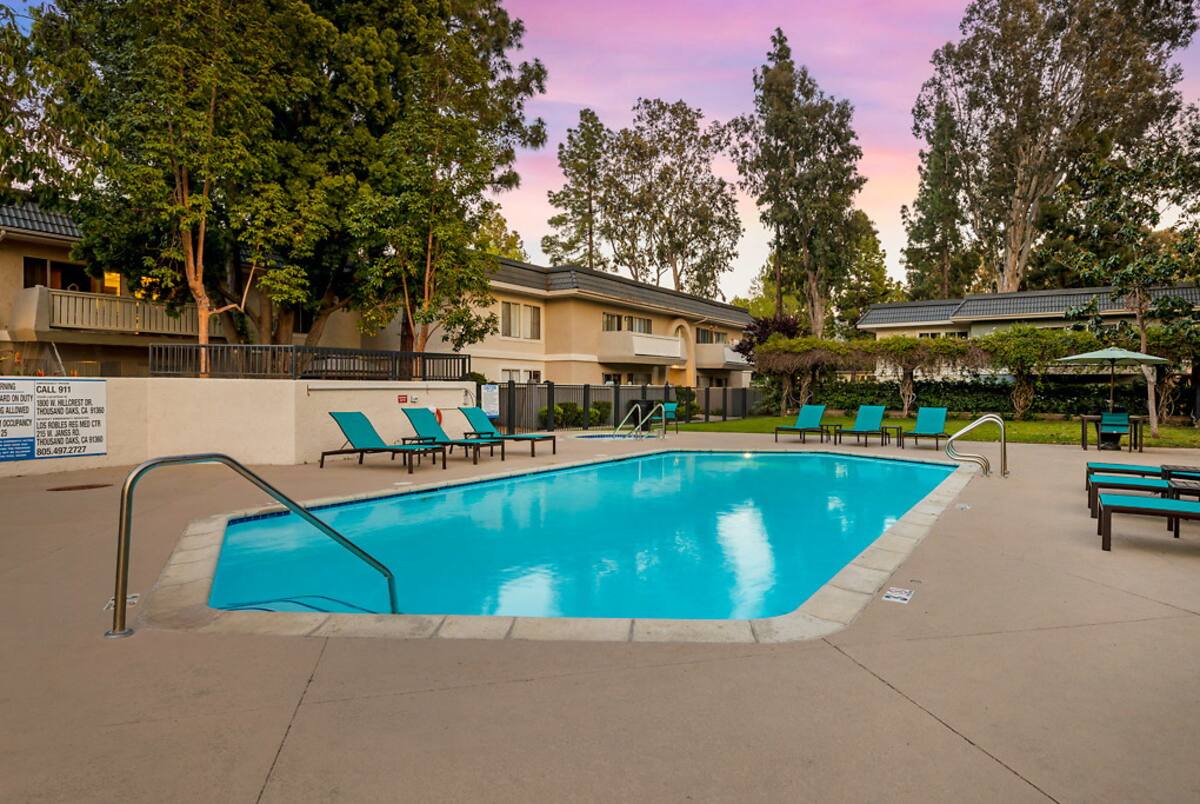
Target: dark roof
[[909, 312], [573, 277], [1007, 306], [31, 218], [1054, 302]]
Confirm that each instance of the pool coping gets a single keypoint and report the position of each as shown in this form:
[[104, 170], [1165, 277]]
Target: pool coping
[[179, 598]]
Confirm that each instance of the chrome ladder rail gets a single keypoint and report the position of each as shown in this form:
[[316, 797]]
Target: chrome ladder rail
[[125, 528], [981, 460], [617, 429], [663, 430]]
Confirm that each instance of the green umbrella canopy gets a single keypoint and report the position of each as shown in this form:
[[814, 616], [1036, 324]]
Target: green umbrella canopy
[[1112, 357]]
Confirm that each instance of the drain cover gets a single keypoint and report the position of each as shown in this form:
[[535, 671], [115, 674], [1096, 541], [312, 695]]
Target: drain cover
[[895, 594], [81, 487]]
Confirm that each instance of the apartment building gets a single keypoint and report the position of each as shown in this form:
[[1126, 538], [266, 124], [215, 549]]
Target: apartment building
[[564, 324], [981, 314]]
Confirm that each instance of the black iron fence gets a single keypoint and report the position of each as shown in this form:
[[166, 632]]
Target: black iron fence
[[264, 361], [556, 406]]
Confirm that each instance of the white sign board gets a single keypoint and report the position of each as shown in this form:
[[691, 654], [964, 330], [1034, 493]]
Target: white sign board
[[46, 417], [489, 400]]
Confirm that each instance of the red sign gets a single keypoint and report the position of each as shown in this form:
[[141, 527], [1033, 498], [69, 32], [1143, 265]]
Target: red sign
[[401, 398]]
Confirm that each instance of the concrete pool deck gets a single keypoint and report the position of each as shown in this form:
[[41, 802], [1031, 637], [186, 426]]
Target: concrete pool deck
[[1030, 665]]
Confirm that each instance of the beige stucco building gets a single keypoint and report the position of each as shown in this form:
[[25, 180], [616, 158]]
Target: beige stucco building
[[563, 324]]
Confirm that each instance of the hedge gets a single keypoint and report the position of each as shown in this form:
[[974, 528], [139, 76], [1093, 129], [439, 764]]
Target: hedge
[[988, 396]]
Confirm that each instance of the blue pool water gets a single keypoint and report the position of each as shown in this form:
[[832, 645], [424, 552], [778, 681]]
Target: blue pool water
[[678, 535]]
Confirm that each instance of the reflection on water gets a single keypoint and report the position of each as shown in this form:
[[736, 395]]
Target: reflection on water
[[680, 535], [743, 538]]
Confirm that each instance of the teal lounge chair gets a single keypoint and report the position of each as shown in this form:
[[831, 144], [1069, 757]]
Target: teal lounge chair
[[1096, 482], [1111, 427], [670, 412], [867, 422], [1173, 510], [428, 431], [808, 420], [482, 427], [1140, 469], [364, 439], [931, 423]]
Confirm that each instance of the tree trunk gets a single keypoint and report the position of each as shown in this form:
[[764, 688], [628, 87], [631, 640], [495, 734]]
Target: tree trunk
[[907, 393], [815, 299], [1149, 372], [945, 274]]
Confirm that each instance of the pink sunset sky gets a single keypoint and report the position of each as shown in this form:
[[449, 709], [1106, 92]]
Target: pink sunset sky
[[874, 53]]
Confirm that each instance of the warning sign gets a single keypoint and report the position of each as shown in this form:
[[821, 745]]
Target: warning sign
[[51, 418]]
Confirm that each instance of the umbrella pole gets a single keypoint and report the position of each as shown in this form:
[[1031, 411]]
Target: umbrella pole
[[1112, 382]]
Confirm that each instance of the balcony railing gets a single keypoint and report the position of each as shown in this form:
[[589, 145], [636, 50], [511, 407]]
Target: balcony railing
[[102, 312], [637, 347], [264, 361], [719, 356]]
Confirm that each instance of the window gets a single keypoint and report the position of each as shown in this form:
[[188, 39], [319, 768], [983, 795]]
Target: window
[[111, 284], [533, 324], [510, 375], [533, 376], [510, 320], [629, 323], [638, 378], [514, 324], [635, 324], [57, 275], [711, 336], [611, 379]]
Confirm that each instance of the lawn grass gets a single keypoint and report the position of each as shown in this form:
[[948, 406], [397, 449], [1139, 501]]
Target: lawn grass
[[1025, 432]]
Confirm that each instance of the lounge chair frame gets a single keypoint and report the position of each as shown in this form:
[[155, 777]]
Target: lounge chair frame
[[532, 438], [820, 429], [405, 450], [1118, 504]]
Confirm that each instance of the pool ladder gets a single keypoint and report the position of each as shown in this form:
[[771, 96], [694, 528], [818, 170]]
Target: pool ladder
[[983, 462], [638, 427], [125, 529]]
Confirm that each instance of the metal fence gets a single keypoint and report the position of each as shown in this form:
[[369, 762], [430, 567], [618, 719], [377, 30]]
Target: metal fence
[[303, 362], [554, 406]]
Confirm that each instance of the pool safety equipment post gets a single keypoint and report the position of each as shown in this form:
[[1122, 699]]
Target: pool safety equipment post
[[125, 527]]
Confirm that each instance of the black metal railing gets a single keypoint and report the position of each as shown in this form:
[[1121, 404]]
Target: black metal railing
[[263, 361], [558, 406]]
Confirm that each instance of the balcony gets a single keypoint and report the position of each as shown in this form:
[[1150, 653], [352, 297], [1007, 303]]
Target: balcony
[[720, 356], [41, 313], [637, 347]]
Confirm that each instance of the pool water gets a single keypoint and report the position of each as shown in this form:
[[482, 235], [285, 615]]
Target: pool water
[[681, 535]]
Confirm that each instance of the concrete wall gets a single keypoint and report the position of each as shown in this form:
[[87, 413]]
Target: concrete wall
[[274, 422]]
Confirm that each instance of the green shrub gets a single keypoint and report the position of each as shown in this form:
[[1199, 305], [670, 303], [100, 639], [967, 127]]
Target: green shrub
[[604, 408], [596, 417], [541, 416], [568, 414]]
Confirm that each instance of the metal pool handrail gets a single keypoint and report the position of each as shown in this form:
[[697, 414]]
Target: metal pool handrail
[[650, 415], [125, 528], [983, 462], [632, 410]]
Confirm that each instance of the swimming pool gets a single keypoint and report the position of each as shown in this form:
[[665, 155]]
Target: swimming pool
[[680, 535]]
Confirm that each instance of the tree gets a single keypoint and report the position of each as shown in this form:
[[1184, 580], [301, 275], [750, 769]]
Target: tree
[[1122, 248], [908, 355], [580, 158], [937, 260], [801, 360], [864, 278], [423, 213], [1031, 86], [797, 155], [1025, 351], [664, 212], [763, 298], [162, 104], [498, 239]]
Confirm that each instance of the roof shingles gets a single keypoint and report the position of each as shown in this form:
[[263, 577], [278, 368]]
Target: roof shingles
[[33, 219]]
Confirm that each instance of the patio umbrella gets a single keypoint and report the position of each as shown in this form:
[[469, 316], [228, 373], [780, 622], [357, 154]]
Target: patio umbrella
[[1113, 357]]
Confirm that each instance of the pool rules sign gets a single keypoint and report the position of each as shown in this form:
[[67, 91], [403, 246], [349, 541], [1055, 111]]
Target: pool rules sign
[[52, 418]]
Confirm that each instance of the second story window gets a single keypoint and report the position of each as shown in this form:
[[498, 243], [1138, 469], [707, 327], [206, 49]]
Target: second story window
[[629, 323], [711, 336], [520, 321]]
